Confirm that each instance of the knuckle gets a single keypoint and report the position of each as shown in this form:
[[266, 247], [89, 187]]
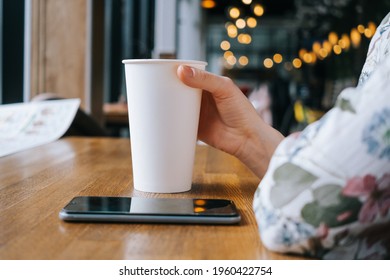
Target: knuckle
[[228, 82], [202, 76]]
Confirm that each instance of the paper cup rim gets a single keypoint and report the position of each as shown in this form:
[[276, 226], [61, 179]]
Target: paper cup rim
[[158, 61]]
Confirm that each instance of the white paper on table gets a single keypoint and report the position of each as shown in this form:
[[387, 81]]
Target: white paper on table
[[27, 125]]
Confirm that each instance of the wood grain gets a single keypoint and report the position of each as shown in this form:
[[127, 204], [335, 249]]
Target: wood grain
[[58, 48], [35, 185]]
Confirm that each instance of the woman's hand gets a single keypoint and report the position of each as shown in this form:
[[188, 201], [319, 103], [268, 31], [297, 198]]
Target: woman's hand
[[229, 122]]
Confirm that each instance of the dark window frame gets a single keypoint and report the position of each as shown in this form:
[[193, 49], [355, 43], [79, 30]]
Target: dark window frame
[[11, 51], [129, 33]]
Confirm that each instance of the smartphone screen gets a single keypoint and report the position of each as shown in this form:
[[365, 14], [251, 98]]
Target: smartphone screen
[[138, 209]]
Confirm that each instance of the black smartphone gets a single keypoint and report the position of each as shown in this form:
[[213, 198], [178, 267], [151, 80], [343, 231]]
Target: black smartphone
[[150, 210]]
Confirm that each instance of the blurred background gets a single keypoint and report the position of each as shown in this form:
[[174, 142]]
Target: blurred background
[[291, 58]]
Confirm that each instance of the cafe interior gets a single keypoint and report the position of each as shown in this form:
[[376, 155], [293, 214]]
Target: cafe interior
[[290, 58]]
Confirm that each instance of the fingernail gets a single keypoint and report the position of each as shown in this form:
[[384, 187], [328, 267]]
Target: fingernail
[[188, 71]]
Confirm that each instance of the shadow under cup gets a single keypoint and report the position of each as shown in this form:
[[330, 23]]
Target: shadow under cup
[[163, 118]]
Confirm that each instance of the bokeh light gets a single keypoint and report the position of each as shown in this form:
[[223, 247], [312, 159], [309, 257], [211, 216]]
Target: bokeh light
[[268, 63]]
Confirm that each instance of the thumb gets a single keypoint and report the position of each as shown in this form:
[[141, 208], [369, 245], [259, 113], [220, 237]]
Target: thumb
[[220, 87]]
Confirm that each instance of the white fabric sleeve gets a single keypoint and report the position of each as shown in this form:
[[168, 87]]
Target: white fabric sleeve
[[327, 189]]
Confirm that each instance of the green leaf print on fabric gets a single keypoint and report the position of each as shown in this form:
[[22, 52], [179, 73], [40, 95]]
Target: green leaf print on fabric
[[331, 208], [327, 195], [290, 181], [345, 105]]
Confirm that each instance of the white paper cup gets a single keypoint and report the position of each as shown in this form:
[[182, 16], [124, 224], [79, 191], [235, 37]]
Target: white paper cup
[[163, 118]]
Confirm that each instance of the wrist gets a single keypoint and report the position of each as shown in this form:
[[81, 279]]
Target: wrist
[[259, 147]]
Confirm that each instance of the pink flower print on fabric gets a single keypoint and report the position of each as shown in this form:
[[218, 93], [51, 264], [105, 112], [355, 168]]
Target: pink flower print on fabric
[[376, 195]]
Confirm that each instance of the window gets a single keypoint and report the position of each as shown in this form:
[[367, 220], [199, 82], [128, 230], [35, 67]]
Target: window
[[129, 33], [11, 50]]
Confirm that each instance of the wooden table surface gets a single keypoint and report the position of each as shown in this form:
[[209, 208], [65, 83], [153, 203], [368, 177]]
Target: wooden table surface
[[36, 184]]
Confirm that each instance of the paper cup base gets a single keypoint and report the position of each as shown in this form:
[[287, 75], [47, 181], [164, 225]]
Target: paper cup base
[[161, 190]]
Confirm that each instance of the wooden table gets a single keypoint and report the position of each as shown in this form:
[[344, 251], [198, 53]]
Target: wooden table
[[35, 185]]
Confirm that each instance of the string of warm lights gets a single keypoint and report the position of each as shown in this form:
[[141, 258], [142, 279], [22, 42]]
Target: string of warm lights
[[235, 29], [334, 44], [238, 24]]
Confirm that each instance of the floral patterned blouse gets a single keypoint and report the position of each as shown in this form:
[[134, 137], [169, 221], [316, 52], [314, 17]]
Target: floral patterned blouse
[[326, 193]]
